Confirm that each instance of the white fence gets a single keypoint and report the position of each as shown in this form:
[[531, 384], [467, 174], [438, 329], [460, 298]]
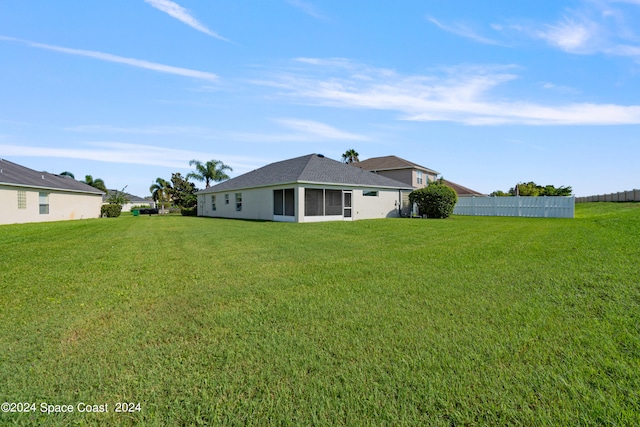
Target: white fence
[[623, 196], [534, 207]]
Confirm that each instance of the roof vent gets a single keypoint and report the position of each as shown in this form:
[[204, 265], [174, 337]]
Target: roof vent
[[320, 155]]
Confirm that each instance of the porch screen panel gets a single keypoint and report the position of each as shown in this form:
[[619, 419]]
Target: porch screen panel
[[313, 202], [289, 202], [278, 201], [333, 202]]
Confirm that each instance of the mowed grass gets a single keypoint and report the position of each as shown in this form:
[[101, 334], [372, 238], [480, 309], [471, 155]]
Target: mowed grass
[[464, 321]]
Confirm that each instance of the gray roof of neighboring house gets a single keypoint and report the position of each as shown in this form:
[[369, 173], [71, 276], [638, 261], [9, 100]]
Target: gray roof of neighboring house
[[312, 168], [462, 190], [15, 175], [132, 198], [390, 163]]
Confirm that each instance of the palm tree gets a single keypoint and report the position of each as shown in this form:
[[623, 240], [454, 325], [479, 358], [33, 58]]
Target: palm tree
[[160, 191], [213, 170], [95, 183], [350, 156]]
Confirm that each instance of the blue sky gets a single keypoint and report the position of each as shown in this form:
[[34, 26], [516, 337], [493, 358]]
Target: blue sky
[[487, 93]]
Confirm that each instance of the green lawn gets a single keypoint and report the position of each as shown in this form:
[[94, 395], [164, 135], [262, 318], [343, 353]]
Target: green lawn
[[464, 321]]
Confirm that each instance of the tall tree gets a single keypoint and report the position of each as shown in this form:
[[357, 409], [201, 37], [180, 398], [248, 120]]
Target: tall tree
[[182, 191], [160, 191], [95, 183], [350, 156], [69, 174], [213, 170]]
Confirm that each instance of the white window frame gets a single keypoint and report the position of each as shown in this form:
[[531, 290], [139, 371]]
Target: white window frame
[[43, 201]]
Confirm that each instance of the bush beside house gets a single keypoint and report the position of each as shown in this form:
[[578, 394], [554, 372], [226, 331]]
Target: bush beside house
[[436, 200]]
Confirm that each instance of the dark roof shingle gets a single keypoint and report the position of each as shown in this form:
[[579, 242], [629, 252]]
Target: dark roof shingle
[[312, 168], [390, 163], [16, 175]]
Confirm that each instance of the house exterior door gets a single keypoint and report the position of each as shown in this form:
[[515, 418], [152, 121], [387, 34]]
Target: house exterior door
[[346, 204]]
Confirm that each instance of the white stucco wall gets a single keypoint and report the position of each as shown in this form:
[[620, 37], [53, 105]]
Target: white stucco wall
[[258, 204], [62, 206], [384, 205]]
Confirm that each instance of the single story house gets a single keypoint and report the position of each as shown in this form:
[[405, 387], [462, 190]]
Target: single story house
[[410, 173], [133, 201], [27, 195], [310, 188]]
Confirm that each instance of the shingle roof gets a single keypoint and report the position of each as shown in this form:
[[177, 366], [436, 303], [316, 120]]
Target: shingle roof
[[312, 168], [461, 190], [16, 175], [132, 198], [390, 163]]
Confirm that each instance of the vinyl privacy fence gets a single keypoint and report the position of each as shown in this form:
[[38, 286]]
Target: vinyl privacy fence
[[525, 206], [622, 196]]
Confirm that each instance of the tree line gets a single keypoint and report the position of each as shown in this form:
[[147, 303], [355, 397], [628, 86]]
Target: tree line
[[178, 191], [533, 189]]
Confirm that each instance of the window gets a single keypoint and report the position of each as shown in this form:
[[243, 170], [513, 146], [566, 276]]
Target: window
[[289, 202], [238, 202], [313, 202], [22, 199], [370, 193], [419, 177], [333, 202], [283, 202], [213, 202], [319, 202], [44, 203], [278, 202], [226, 199]]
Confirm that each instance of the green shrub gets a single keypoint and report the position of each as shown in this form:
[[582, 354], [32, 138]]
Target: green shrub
[[189, 211], [111, 210], [435, 200]]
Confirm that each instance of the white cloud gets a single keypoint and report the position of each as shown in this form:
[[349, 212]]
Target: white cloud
[[595, 27], [181, 14], [319, 130], [571, 35], [117, 152], [303, 131], [462, 30], [140, 63], [306, 7], [463, 95]]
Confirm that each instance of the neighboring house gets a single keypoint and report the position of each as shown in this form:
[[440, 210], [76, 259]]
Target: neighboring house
[[133, 201], [462, 191], [27, 195], [410, 173], [310, 188], [399, 169]]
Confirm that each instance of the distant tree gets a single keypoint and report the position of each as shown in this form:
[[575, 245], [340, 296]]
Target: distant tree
[[499, 193], [69, 174], [119, 198], [526, 189], [436, 200], [213, 170], [160, 191], [350, 156], [182, 192], [532, 189], [95, 183]]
